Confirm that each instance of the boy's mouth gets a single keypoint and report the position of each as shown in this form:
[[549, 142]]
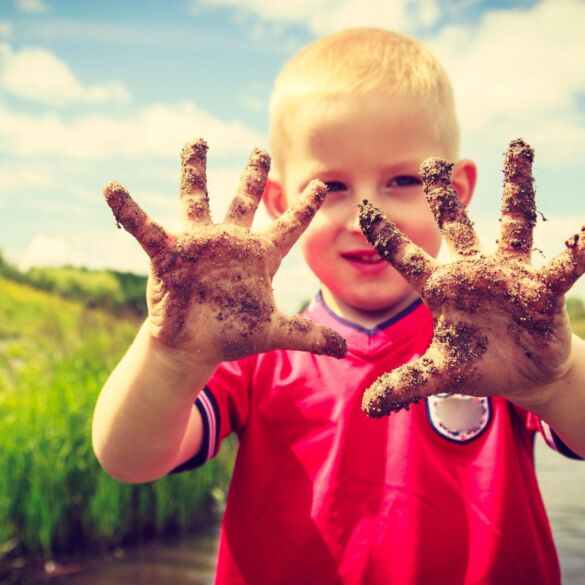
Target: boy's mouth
[[362, 256]]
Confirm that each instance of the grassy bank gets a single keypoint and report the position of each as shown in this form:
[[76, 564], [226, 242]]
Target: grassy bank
[[54, 357]]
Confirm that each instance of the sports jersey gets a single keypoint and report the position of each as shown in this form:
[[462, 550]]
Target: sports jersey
[[445, 493]]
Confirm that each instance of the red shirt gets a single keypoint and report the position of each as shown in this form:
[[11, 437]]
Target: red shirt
[[444, 493]]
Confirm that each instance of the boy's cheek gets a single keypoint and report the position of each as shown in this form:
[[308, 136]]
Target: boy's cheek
[[316, 230]]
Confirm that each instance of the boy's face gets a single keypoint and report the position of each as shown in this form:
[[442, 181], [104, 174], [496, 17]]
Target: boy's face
[[368, 148]]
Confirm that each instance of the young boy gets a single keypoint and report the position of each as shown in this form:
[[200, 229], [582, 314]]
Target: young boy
[[444, 492]]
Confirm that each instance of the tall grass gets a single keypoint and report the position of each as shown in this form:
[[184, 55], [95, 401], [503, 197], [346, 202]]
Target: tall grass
[[54, 358]]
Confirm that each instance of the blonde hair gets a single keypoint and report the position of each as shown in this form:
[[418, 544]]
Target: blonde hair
[[357, 62]]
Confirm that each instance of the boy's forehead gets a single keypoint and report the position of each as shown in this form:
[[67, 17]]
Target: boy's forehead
[[326, 127]]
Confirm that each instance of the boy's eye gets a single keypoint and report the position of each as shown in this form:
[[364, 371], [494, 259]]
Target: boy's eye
[[404, 181], [335, 186]]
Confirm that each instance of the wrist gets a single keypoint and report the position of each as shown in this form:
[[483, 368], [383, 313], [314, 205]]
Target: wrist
[[177, 363]]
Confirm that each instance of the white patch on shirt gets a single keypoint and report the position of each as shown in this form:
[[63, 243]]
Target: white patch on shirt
[[458, 417]]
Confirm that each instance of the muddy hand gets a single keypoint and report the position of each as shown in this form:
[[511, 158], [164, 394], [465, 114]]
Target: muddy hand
[[210, 287], [500, 323]]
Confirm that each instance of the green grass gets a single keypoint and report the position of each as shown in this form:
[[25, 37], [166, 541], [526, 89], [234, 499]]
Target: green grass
[[576, 309], [54, 358]]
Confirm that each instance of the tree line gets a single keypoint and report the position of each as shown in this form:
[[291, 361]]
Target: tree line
[[112, 290]]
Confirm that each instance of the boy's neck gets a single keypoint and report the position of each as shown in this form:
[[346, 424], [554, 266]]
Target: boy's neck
[[367, 319]]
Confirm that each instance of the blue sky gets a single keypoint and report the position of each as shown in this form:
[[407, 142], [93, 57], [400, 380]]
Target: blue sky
[[91, 92]]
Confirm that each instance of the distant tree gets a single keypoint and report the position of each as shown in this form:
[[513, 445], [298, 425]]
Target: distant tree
[[107, 289], [9, 270], [575, 307]]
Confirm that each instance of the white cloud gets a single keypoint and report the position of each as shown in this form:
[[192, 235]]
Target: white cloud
[[117, 251], [159, 130], [5, 29], [38, 75], [31, 5], [18, 176], [520, 73], [428, 12], [254, 103], [323, 16]]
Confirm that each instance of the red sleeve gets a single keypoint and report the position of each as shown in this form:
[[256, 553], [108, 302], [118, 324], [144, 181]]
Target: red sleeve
[[223, 405], [535, 424]]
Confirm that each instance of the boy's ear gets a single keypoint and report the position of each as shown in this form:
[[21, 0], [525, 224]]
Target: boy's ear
[[274, 199], [463, 179]]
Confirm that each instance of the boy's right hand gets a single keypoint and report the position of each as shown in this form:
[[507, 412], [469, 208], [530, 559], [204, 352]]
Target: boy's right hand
[[209, 292]]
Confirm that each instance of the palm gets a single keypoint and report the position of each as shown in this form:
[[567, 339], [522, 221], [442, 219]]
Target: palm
[[210, 289], [500, 323]]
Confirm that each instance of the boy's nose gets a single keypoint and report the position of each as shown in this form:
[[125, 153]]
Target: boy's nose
[[353, 220]]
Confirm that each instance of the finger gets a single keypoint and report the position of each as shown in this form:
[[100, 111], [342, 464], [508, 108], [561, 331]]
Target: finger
[[244, 205], [518, 207], [194, 197], [563, 271], [447, 208], [413, 263], [305, 335], [287, 229], [398, 389], [447, 366], [150, 235]]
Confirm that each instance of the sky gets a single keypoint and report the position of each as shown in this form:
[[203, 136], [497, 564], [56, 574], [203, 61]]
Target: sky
[[97, 91]]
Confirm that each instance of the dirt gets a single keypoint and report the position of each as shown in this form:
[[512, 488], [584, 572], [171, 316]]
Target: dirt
[[447, 208], [244, 205], [193, 189], [518, 206]]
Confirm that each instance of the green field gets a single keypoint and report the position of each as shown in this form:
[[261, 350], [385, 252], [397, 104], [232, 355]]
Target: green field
[[54, 357]]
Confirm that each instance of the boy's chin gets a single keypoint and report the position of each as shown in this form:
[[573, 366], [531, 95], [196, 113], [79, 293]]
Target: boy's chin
[[385, 304], [388, 309]]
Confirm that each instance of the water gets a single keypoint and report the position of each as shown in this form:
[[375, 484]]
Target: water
[[562, 482], [192, 561], [189, 561]]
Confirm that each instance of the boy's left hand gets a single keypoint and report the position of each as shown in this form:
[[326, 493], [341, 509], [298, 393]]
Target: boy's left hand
[[500, 324]]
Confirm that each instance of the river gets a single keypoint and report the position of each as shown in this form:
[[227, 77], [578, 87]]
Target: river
[[191, 561], [562, 482]]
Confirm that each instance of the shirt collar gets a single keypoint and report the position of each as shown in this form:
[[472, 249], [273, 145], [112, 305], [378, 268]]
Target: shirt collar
[[397, 329]]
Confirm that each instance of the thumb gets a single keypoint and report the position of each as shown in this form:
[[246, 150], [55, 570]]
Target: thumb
[[305, 335], [449, 365]]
